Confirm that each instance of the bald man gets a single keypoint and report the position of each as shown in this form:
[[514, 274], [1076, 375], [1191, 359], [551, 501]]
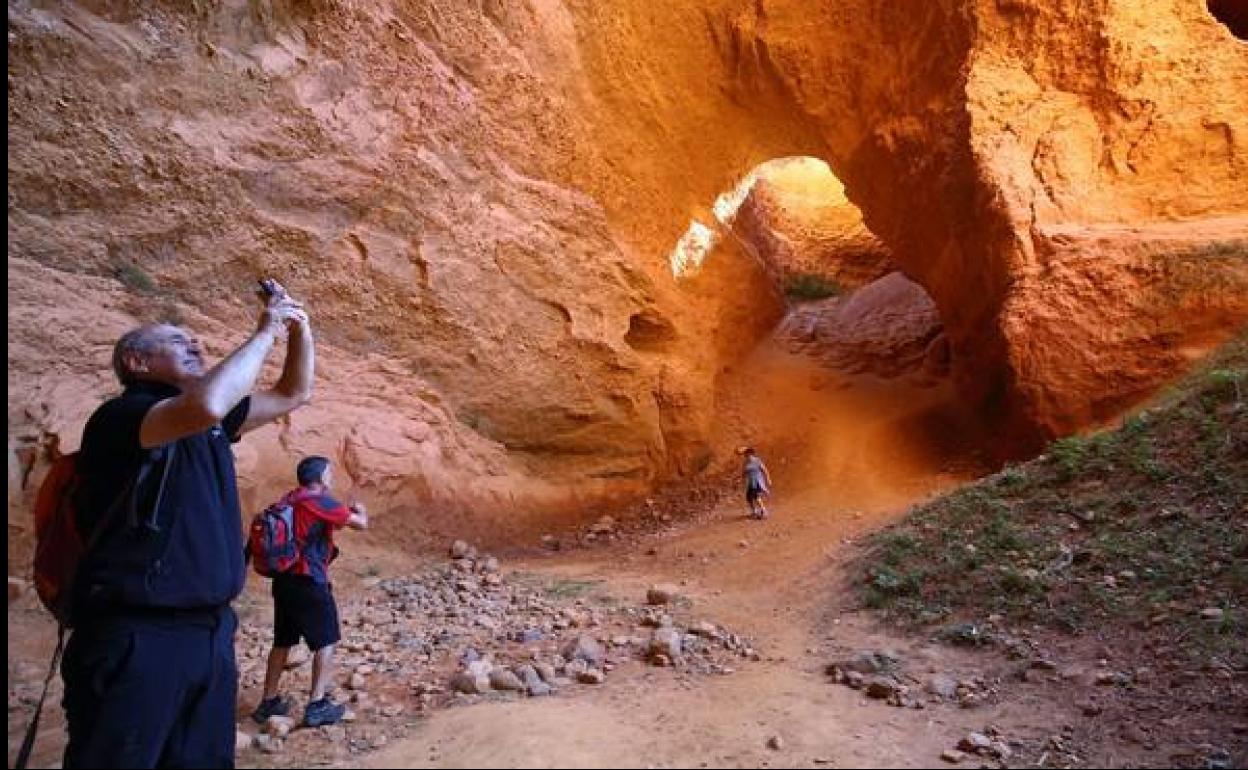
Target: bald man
[[150, 677]]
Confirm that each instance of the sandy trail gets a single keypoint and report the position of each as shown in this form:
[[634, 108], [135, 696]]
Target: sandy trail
[[846, 456]]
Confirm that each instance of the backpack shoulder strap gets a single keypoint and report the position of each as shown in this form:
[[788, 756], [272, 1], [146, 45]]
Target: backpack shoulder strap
[[129, 497], [151, 522]]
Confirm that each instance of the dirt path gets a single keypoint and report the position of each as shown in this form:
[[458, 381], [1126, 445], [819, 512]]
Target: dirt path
[[847, 457]]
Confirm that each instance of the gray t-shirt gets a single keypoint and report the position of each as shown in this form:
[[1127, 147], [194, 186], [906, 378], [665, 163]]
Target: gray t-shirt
[[754, 473]]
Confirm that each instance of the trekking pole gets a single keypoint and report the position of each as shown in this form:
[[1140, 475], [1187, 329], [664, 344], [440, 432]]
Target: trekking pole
[[28, 743]]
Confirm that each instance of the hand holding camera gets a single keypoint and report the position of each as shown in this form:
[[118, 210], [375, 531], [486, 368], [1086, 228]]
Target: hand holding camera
[[280, 310]]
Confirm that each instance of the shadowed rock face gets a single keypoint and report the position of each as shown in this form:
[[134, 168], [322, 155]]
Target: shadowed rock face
[[478, 205], [888, 328]]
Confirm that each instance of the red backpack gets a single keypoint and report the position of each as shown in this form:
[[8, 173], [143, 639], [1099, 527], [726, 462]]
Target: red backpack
[[59, 546], [271, 543]]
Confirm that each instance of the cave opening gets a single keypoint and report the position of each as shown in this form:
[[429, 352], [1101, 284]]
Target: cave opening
[[1233, 14], [848, 386]]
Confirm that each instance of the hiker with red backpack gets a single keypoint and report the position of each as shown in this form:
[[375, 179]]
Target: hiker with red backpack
[[146, 566], [292, 542]]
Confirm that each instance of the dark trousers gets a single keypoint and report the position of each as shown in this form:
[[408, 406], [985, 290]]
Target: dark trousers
[[152, 690]]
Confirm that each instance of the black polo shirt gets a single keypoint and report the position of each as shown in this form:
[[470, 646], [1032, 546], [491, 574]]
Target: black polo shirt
[[189, 552]]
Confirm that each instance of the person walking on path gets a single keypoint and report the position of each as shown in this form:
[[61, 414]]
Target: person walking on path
[[757, 483], [303, 599]]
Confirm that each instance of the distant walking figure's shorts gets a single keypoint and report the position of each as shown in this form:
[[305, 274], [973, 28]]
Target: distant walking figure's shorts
[[753, 492]]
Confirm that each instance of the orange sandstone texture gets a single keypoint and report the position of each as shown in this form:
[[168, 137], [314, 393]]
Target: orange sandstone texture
[[480, 202]]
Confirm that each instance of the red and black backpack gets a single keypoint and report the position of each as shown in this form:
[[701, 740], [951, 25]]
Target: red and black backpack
[[271, 543]]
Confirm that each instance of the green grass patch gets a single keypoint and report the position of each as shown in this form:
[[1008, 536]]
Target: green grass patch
[[134, 278], [811, 286], [571, 589], [1138, 525]]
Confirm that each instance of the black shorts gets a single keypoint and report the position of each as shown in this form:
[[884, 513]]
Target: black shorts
[[753, 492], [304, 609]]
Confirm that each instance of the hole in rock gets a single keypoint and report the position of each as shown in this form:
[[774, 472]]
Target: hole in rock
[[648, 330], [1233, 14], [848, 396]]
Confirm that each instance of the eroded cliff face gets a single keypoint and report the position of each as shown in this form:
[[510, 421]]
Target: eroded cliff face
[[1113, 137], [479, 202]]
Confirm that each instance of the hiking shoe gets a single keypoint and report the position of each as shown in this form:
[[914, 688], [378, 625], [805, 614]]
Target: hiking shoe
[[323, 712], [277, 706]]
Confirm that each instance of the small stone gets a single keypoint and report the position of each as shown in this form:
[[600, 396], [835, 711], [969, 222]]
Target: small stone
[[1212, 613], [591, 676], [546, 671], [975, 743], [704, 628], [943, 686], [952, 756], [460, 549], [297, 657], [538, 689], [775, 743], [267, 743], [334, 733], [880, 687], [356, 682], [469, 684], [663, 593], [1133, 733], [666, 642], [502, 679], [584, 647], [661, 661], [279, 726], [871, 662]]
